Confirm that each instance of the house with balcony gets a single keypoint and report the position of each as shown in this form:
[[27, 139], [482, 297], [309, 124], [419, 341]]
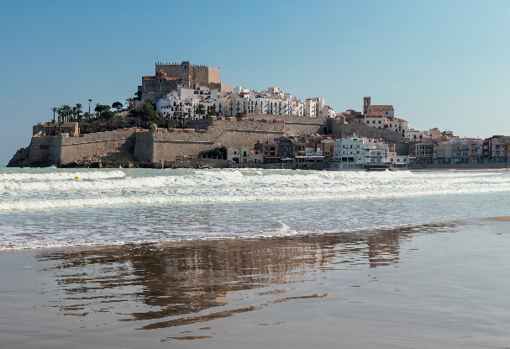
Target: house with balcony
[[376, 152], [348, 153]]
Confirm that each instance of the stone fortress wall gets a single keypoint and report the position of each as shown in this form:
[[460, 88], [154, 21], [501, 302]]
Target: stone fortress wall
[[157, 145], [66, 148]]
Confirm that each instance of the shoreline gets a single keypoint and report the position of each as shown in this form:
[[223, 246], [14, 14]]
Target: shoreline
[[217, 164], [383, 288]]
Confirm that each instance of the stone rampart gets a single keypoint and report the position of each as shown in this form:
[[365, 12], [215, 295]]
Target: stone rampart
[[342, 130], [40, 149], [66, 148], [76, 148], [168, 145]]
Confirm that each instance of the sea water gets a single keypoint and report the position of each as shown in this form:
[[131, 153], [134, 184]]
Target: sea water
[[70, 207]]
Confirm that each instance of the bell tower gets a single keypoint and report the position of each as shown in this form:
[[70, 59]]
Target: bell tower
[[366, 104]]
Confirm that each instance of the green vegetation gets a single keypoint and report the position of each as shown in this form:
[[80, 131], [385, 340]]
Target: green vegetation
[[218, 152], [133, 113]]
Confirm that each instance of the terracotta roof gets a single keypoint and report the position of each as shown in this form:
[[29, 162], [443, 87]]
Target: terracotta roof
[[380, 107]]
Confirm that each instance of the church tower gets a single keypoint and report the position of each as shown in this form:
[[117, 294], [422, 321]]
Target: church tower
[[366, 104]]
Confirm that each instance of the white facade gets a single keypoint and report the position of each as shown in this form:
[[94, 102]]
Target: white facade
[[273, 102], [415, 135], [397, 125], [245, 155], [349, 153], [185, 100], [328, 112], [398, 161], [376, 152]]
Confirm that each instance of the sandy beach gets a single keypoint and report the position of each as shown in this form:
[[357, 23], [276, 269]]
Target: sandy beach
[[425, 286]]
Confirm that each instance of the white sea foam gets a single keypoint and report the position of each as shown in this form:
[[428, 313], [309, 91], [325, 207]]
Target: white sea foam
[[39, 175], [48, 207], [115, 188]]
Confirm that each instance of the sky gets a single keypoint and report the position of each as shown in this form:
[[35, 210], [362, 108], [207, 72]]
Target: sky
[[440, 64]]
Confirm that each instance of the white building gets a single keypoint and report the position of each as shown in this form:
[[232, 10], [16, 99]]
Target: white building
[[349, 153], [327, 112], [416, 135], [245, 155], [398, 161], [376, 152], [185, 101]]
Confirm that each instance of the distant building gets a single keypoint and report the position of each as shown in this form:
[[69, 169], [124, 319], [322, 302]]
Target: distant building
[[349, 153]]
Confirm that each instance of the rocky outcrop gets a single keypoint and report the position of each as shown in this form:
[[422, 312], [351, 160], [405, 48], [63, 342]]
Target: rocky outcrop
[[20, 157]]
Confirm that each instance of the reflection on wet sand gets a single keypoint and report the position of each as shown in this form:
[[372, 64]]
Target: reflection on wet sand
[[182, 283]]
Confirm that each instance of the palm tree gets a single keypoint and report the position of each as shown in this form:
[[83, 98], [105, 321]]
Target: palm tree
[[59, 112], [90, 100], [183, 117], [54, 110], [53, 124], [78, 111], [211, 111], [68, 112], [200, 110], [74, 113]]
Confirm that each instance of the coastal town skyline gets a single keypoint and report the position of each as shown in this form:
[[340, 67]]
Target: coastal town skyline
[[440, 64]]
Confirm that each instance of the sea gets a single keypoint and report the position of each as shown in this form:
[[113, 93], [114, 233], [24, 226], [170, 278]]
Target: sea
[[51, 207], [251, 258]]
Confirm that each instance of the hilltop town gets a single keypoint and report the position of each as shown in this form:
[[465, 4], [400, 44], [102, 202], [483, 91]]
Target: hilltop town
[[184, 115]]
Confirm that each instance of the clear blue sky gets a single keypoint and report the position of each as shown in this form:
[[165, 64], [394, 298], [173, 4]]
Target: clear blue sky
[[439, 63]]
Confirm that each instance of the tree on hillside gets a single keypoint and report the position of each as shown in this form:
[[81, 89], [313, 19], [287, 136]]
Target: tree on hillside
[[211, 111], [199, 110], [101, 108], [149, 112], [129, 102], [107, 115], [117, 105]]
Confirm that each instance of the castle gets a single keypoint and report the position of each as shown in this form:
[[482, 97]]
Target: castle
[[259, 116], [168, 76]]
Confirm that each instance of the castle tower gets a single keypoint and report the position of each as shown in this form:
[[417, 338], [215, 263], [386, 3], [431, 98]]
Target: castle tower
[[366, 104]]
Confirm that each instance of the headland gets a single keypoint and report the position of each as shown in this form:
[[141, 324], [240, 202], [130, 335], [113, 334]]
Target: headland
[[184, 116]]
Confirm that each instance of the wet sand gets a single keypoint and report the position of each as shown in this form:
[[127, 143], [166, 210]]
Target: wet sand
[[499, 219], [485, 170], [430, 286]]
